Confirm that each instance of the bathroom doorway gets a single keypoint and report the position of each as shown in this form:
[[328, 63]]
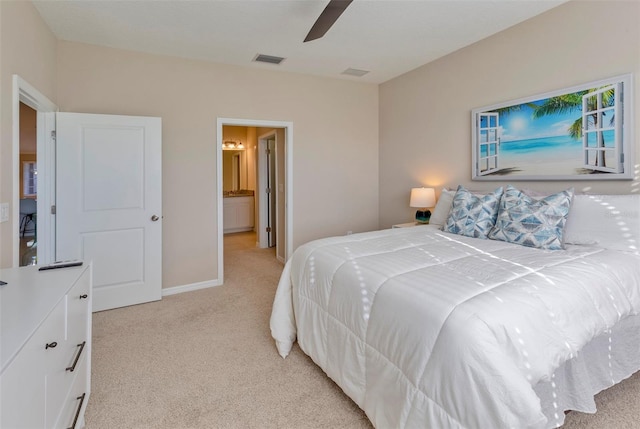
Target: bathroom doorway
[[254, 150]]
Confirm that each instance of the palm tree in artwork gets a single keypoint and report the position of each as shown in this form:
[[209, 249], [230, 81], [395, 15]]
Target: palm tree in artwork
[[567, 103]]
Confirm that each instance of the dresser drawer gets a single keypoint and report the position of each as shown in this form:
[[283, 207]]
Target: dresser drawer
[[78, 307], [74, 349], [75, 402], [24, 380], [61, 378]]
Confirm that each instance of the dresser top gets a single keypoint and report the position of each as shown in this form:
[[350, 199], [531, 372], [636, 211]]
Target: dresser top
[[25, 302]]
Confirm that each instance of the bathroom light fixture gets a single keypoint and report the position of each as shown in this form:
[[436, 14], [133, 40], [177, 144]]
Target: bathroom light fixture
[[232, 145], [422, 198]]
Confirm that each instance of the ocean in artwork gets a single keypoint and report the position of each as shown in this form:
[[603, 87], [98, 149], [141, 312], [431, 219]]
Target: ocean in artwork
[[532, 156], [537, 150]]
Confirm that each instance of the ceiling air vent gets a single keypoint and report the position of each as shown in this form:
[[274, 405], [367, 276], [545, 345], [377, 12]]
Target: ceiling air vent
[[270, 59], [355, 72]]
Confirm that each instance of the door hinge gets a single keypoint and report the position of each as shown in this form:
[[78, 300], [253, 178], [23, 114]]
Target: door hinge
[[53, 134], [53, 209], [268, 190], [268, 229], [268, 151]]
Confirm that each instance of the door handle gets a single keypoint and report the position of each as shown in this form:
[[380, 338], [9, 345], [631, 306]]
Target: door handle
[[154, 218]]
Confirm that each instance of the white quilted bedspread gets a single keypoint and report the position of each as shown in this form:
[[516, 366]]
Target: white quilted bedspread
[[427, 329]]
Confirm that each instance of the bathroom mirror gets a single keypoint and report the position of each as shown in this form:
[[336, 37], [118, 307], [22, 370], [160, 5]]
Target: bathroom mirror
[[234, 170]]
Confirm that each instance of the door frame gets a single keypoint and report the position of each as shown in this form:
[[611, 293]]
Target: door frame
[[262, 180], [288, 215], [45, 158]]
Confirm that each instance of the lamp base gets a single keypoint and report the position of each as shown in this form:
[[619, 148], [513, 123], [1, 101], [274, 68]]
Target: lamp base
[[423, 216]]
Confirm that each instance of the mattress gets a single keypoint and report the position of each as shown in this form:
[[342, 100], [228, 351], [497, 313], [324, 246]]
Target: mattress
[[423, 328]]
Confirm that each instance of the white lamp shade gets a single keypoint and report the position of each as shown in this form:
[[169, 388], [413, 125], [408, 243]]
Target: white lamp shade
[[422, 197]]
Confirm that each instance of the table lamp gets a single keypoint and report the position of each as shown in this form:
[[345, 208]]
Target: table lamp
[[422, 198]]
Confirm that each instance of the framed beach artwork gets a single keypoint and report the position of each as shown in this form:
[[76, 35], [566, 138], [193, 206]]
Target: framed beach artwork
[[578, 133]]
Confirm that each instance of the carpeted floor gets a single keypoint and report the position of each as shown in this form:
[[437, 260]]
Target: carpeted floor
[[205, 359]]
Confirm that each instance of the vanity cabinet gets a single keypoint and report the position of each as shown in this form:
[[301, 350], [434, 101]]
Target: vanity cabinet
[[239, 214], [45, 347]]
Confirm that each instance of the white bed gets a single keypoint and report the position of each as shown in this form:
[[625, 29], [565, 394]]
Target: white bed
[[423, 328]]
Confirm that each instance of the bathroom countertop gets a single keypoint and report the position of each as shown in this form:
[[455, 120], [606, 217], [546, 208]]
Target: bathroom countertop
[[238, 194]]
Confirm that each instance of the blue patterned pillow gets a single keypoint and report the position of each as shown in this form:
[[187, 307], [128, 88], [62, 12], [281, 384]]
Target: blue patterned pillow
[[473, 215], [531, 222]]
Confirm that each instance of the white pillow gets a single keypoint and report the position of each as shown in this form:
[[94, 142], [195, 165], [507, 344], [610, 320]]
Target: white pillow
[[441, 211], [608, 221]]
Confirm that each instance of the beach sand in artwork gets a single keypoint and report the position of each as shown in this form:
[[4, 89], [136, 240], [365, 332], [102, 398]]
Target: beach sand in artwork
[[557, 159], [548, 168]]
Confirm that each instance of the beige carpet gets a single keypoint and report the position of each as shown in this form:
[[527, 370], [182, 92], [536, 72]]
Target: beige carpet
[[205, 359]]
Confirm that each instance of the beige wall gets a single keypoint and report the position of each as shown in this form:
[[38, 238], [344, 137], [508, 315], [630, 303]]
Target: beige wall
[[335, 140], [425, 130], [28, 48]]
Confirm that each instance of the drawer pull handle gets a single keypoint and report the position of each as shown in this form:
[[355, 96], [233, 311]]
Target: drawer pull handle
[[75, 361], [50, 345], [75, 419], [84, 296]]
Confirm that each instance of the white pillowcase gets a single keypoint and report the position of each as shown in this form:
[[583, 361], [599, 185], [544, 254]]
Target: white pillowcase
[[441, 211], [608, 221]]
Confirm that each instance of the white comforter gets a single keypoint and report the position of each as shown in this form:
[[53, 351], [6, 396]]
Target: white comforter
[[423, 328]]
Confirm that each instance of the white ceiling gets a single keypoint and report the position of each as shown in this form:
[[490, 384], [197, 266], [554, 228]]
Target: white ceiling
[[387, 37]]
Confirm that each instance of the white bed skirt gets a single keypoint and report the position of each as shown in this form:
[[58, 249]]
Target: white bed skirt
[[605, 361]]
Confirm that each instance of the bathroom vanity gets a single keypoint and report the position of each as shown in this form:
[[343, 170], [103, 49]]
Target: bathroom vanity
[[239, 212]]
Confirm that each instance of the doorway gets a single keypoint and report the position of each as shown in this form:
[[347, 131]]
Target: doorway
[[33, 213], [28, 173], [284, 245]]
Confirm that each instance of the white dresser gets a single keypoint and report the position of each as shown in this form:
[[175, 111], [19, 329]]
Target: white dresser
[[45, 347]]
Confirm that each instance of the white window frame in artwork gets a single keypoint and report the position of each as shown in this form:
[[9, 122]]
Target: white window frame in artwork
[[599, 152]]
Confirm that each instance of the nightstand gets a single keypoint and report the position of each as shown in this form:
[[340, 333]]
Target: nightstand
[[407, 225]]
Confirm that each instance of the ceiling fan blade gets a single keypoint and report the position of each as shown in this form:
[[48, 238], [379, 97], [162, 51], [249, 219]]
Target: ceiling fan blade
[[327, 18]]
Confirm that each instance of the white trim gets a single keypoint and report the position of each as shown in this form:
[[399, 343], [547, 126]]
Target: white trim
[[191, 287], [288, 219], [46, 157], [27, 94], [263, 240]]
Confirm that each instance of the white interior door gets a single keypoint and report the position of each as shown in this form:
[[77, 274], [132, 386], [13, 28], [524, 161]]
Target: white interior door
[[109, 203], [271, 194]]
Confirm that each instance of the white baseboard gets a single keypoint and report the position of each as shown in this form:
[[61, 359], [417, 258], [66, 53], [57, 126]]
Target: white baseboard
[[191, 287]]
